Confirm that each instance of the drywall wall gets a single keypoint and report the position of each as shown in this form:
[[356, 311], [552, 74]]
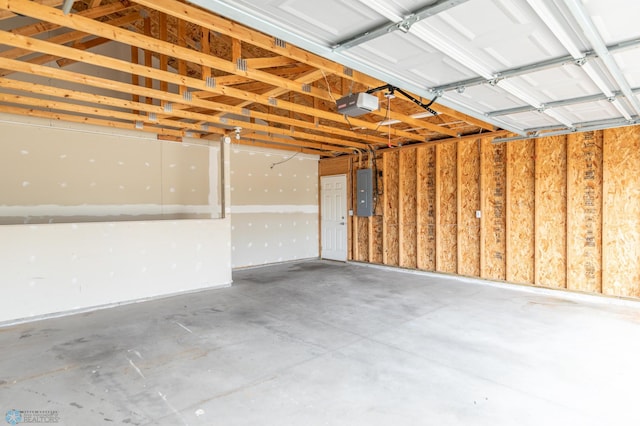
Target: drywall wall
[[558, 212], [274, 207], [47, 268], [51, 268], [76, 173]]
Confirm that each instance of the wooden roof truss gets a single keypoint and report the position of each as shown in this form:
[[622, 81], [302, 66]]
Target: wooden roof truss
[[194, 74]]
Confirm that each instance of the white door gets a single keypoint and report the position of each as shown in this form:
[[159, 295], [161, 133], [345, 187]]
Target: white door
[[334, 217]]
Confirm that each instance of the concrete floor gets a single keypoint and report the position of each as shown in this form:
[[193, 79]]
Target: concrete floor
[[317, 343]]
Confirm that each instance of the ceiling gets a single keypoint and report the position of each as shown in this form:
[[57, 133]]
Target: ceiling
[[529, 66], [215, 68]]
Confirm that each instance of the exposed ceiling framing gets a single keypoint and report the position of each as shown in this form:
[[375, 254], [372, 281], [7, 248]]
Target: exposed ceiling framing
[[533, 67], [194, 74]]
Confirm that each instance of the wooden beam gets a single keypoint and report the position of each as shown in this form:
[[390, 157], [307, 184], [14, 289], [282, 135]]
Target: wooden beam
[[270, 62], [182, 42], [281, 147], [82, 46], [36, 11], [164, 59], [307, 78], [68, 37], [168, 97], [234, 30], [99, 112], [4, 14], [85, 120], [135, 80], [42, 27], [205, 48], [73, 95], [324, 147], [136, 69], [236, 50], [148, 81]]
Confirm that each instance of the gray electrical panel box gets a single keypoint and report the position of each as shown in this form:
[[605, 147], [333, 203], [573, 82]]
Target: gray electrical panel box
[[364, 184]]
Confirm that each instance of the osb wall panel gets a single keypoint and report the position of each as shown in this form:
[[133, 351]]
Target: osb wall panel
[[361, 239], [468, 204], [621, 219], [493, 210], [520, 213], [376, 221], [446, 215], [426, 207], [334, 166], [584, 204], [375, 250], [407, 223], [557, 212], [391, 208], [551, 211]]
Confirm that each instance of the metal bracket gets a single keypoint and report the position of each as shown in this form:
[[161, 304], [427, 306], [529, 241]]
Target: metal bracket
[[241, 64]]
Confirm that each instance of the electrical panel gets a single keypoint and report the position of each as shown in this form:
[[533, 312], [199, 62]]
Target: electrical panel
[[364, 198]]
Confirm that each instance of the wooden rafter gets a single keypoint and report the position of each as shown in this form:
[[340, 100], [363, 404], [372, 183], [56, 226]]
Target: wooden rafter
[[182, 83], [141, 70], [232, 29], [144, 42]]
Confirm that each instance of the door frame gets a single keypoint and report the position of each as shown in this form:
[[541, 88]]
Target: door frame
[[347, 207]]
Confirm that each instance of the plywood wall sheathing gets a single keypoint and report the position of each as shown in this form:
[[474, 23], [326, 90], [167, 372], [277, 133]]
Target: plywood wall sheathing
[[361, 238], [426, 207], [391, 208], [407, 217], [556, 212], [584, 204], [520, 212], [493, 210], [621, 219], [551, 211], [376, 221], [446, 215], [334, 166], [468, 203]]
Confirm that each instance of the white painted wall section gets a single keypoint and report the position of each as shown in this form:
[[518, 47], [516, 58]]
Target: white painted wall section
[[274, 206], [53, 268]]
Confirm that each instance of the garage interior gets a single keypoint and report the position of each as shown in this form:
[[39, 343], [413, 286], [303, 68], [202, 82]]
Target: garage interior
[[198, 225]]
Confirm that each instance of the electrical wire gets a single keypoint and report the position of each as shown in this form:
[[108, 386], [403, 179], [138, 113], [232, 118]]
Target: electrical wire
[[285, 160], [387, 115], [328, 85]]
